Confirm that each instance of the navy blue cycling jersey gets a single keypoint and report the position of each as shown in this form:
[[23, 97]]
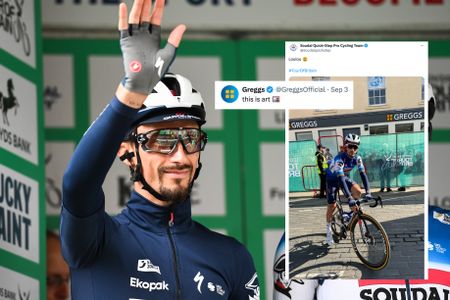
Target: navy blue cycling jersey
[[342, 164], [147, 251], [338, 171]]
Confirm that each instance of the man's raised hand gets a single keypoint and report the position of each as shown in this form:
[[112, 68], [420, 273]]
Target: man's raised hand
[[140, 37]]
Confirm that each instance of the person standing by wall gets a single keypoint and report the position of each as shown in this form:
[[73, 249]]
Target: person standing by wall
[[322, 165], [385, 169]]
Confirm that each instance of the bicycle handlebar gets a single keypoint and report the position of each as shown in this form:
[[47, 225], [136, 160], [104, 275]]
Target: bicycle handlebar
[[376, 199], [365, 199]]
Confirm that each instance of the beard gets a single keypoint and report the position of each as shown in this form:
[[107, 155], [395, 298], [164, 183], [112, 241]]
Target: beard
[[179, 193]]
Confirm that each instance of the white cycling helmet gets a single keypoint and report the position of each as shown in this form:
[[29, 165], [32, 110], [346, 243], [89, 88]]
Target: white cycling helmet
[[352, 139], [172, 99]]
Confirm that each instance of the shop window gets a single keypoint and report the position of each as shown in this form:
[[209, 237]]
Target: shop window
[[381, 129], [355, 130], [303, 136], [408, 127]]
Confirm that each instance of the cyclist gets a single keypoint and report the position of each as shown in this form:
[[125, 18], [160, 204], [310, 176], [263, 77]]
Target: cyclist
[[152, 249], [337, 177]]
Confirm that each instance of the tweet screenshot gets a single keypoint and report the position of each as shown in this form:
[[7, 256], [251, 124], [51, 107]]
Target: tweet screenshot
[[357, 177]]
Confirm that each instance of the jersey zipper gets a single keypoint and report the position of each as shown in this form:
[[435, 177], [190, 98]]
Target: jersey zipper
[[174, 253]]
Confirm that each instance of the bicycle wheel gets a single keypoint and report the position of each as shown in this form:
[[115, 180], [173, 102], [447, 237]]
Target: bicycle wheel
[[370, 242]]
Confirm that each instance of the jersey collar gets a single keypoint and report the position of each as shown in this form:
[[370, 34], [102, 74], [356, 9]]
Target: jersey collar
[[155, 218]]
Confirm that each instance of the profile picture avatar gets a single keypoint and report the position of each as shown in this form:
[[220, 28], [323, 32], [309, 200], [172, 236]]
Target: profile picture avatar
[[229, 93]]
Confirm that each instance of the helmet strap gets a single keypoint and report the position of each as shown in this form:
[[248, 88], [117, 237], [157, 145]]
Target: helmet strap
[[197, 171], [127, 156]]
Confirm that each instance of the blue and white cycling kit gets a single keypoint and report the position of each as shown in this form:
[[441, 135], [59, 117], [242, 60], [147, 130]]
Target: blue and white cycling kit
[[147, 251], [338, 172]]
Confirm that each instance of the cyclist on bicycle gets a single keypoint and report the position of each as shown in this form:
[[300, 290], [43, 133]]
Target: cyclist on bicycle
[[337, 177]]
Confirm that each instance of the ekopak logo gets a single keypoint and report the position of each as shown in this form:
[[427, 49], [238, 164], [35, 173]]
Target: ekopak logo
[[230, 93]]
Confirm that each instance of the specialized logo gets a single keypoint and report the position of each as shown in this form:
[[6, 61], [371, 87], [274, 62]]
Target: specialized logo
[[135, 66], [145, 265], [8, 101], [229, 94], [150, 286], [211, 286], [159, 64], [199, 280], [293, 47], [253, 285]]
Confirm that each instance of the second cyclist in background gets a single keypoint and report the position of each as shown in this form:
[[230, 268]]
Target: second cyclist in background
[[338, 177]]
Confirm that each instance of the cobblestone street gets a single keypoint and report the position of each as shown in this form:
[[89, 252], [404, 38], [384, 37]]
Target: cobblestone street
[[402, 217]]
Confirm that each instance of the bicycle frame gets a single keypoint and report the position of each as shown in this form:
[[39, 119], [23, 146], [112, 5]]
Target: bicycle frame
[[361, 220], [359, 213]]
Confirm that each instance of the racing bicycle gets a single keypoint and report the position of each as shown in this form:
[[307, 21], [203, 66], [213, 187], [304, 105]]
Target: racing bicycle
[[368, 237]]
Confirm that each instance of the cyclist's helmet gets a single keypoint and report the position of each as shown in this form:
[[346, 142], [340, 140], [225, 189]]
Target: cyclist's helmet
[[352, 139], [172, 99]]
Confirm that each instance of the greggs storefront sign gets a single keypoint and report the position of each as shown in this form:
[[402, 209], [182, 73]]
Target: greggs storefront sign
[[405, 116]]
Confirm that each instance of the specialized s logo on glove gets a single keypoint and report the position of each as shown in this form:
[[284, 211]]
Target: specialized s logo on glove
[[144, 62]]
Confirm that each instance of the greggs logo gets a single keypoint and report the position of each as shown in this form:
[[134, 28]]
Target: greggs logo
[[404, 116]]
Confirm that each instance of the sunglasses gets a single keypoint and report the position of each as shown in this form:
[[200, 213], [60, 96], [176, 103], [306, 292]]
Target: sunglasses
[[351, 146], [165, 140]]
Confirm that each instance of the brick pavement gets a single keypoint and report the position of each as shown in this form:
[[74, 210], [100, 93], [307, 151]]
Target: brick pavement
[[401, 217]]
